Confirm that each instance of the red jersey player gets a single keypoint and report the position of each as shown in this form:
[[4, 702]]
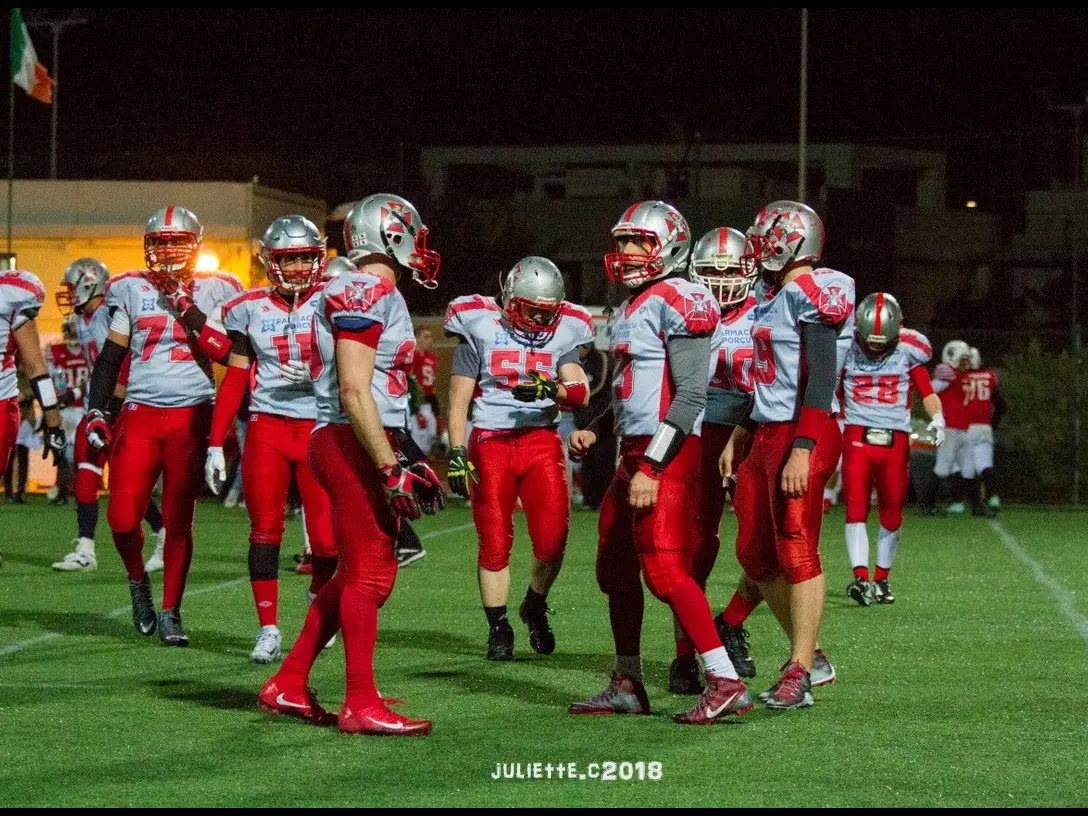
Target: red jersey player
[[985, 407], [954, 466]]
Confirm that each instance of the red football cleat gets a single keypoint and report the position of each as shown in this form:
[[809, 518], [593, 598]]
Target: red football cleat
[[722, 696], [294, 702], [377, 719]]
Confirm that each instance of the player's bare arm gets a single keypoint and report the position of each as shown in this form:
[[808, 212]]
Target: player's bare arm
[[37, 371], [355, 371]]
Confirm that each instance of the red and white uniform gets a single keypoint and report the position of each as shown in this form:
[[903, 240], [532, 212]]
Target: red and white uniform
[[282, 416], [515, 446], [728, 403], [92, 330], [979, 389], [21, 298], [364, 308], [69, 369], [166, 419], [950, 385], [778, 535], [876, 442], [425, 367], [657, 540]]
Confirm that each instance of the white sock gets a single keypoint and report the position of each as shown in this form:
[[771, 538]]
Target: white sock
[[717, 661], [86, 545], [631, 665], [857, 544], [886, 544]]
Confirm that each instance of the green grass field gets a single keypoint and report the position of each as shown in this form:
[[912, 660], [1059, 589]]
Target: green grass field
[[971, 690]]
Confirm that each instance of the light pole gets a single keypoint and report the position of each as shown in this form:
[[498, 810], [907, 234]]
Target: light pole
[[57, 26]]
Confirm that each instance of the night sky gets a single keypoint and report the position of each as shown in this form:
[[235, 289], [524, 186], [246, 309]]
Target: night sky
[[292, 79]]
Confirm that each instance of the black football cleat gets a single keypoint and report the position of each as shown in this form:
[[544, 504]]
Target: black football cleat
[[735, 641], [541, 636], [500, 644], [170, 631], [143, 606], [860, 591], [881, 592], [684, 676]]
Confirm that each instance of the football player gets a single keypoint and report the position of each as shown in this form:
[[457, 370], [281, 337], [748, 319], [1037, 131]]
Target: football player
[[516, 366], [21, 298], [950, 382], [663, 343], [82, 295], [270, 333], [985, 408], [360, 452], [801, 332], [882, 364], [68, 368], [166, 317]]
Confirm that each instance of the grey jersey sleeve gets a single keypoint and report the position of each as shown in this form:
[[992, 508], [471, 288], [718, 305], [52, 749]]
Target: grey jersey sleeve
[[466, 362], [689, 362]]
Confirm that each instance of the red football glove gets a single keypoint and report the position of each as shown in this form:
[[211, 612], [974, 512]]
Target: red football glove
[[97, 430], [429, 495], [400, 491], [179, 295]]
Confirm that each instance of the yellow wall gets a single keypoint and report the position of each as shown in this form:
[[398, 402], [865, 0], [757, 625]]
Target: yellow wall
[[49, 257]]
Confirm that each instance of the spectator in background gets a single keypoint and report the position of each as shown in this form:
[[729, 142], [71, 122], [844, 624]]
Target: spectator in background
[[425, 370]]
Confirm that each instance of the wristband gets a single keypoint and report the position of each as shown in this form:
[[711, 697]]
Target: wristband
[[45, 391]]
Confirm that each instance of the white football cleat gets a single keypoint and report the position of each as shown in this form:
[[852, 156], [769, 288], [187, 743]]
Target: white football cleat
[[154, 563], [309, 600], [267, 649], [81, 559]]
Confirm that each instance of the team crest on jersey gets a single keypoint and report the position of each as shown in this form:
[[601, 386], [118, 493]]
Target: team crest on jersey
[[362, 297], [833, 303], [501, 339]]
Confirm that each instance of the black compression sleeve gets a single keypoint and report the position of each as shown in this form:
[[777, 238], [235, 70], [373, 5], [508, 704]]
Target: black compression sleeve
[[820, 341], [107, 368]]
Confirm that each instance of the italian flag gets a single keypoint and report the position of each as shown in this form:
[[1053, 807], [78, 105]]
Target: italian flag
[[26, 71]]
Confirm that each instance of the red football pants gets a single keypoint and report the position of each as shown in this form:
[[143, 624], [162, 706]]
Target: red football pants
[[863, 463], [712, 503], [90, 462], [364, 527], [9, 427], [276, 447], [527, 464], [776, 535]]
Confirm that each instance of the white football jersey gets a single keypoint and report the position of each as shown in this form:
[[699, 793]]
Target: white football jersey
[[167, 371], [92, 331], [876, 391], [278, 331], [353, 302], [729, 397], [21, 298], [505, 361], [642, 383], [822, 296]]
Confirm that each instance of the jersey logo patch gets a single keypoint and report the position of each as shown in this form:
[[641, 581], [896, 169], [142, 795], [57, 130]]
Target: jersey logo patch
[[501, 339], [361, 297], [148, 304], [833, 303]]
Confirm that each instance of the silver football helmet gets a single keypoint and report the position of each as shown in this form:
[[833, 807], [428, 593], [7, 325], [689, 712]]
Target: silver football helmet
[[532, 296], [976, 359], [390, 225], [715, 263], [83, 280], [172, 239], [665, 230], [954, 352], [784, 233], [877, 324], [292, 236], [340, 265]]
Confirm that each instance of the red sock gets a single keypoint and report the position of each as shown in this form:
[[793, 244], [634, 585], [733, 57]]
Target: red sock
[[359, 620], [882, 573], [177, 554], [862, 573], [322, 622], [130, 546], [692, 609], [266, 595], [738, 610]]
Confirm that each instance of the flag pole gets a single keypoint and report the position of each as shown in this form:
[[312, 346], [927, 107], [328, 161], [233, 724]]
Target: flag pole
[[11, 162]]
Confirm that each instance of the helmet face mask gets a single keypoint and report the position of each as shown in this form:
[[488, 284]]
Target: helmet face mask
[[715, 263], [172, 240], [84, 280], [784, 234], [877, 324], [390, 225], [532, 299], [293, 253], [663, 239]]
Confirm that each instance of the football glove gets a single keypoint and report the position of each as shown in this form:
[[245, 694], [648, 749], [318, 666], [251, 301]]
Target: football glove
[[460, 471], [936, 429], [295, 372], [400, 487], [179, 296], [98, 432], [539, 387], [429, 495], [55, 442], [215, 469]]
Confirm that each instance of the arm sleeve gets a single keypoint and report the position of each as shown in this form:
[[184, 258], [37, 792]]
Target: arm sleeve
[[104, 376], [466, 363], [211, 340], [819, 340], [920, 377], [227, 402], [689, 360]]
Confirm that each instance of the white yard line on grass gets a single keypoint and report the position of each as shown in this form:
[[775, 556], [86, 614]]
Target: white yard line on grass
[[122, 610], [1065, 598]]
